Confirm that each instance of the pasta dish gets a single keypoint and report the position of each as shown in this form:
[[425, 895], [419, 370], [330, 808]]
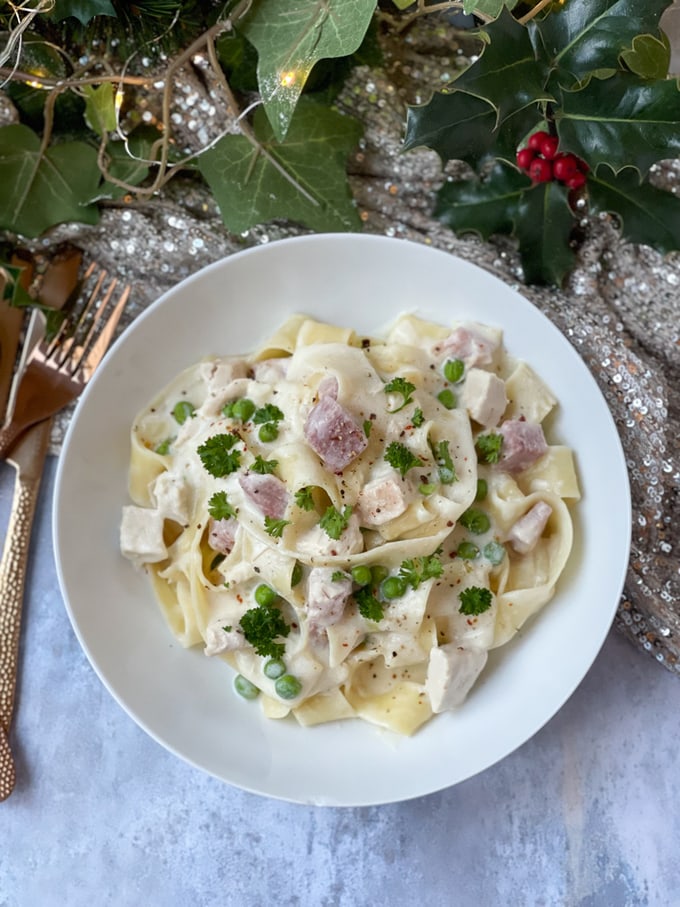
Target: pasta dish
[[352, 523]]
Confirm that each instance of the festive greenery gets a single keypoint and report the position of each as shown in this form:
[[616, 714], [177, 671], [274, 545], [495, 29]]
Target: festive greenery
[[592, 76]]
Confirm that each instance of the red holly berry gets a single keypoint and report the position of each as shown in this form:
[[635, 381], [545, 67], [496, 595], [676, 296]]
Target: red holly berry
[[536, 140], [576, 181], [524, 158], [565, 166], [540, 170], [549, 147]]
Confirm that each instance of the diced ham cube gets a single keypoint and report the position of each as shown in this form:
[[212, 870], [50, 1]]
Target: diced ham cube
[[332, 433], [326, 598], [451, 673], [473, 344], [383, 499], [141, 535], [526, 532], [267, 492], [523, 444], [222, 534], [219, 639], [484, 397]]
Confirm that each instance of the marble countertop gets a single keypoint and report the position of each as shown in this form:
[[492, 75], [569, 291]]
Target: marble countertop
[[582, 814]]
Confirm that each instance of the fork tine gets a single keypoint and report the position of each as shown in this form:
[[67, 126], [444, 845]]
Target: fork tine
[[101, 344], [60, 339]]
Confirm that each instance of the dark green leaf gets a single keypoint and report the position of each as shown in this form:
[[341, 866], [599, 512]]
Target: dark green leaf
[[40, 189], [485, 206], [543, 228], [250, 190], [648, 57], [623, 121], [647, 215], [239, 58], [83, 10], [291, 36], [126, 165], [492, 8]]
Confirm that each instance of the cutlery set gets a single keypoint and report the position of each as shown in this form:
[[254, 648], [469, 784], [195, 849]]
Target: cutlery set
[[50, 373]]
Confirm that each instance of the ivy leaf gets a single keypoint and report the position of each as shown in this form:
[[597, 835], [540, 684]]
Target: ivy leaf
[[543, 227], [125, 165], [40, 189], [648, 57], [485, 206], [100, 110], [648, 215], [249, 188], [623, 121], [291, 36], [507, 75], [491, 8], [83, 10], [579, 35]]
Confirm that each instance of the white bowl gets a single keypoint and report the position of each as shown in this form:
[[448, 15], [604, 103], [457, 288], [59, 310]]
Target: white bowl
[[185, 700]]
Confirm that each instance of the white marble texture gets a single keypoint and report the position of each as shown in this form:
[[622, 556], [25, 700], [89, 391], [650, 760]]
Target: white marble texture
[[584, 814]]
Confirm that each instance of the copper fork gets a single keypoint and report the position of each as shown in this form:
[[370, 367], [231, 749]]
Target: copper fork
[[55, 374]]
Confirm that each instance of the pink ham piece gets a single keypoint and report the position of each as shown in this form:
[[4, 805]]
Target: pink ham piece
[[526, 532], [523, 444], [333, 434], [222, 534], [473, 347], [326, 598], [267, 492]]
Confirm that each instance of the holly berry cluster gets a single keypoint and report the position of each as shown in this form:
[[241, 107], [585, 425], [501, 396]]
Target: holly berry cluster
[[543, 162]]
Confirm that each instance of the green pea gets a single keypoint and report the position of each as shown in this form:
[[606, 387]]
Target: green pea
[[274, 668], [427, 488], [245, 688], [494, 552], [296, 575], [476, 521], [362, 575], [468, 551], [183, 411], [454, 369], [393, 587], [447, 399], [242, 409], [287, 686], [268, 432], [482, 490], [265, 595], [164, 447], [378, 574]]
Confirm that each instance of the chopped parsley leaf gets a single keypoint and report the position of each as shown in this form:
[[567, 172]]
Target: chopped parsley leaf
[[368, 425], [442, 457], [417, 418], [334, 522], [304, 497], [219, 507], [400, 457], [228, 628], [404, 388], [489, 447], [275, 527], [338, 576], [368, 605], [267, 413], [164, 447], [217, 560], [261, 626], [475, 600], [419, 569], [263, 467], [217, 455]]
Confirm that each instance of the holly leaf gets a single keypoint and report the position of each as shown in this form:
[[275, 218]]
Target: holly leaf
[[623, 121], [100, 110], [39, 189], [291, 36], [83, 10], [648, 57], [483, 206], [301, 179], [543, 226], [647, 215], [582, 36], [507, 75]]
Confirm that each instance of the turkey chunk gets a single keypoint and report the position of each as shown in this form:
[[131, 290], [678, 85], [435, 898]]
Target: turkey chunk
[[326, 597], [141, 535], [484, 397], [383, 499], [451, 673]]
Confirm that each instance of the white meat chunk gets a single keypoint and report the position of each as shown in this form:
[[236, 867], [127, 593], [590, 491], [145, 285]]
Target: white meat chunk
[[475, 344], [221, 638], [171, 496], [271, 371], [526, 532], [326, 597], [451, 674], [383, 499], [222, 534], [141, 535], [217, 373], [316, 541], [484, 397]]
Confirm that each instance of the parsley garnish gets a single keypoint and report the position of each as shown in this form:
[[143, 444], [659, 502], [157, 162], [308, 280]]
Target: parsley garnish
[[404, 388], [368, 425], [219, 507], [164, 447], [475, 600], [263, 467], [304, 497], [338, 576], [368, 605], [275, 527], [218, 457], [417, 418], [261, 626], [268, 413], [442, 457], [489, 447], [334, 522], [399, 456], [416, 570]]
